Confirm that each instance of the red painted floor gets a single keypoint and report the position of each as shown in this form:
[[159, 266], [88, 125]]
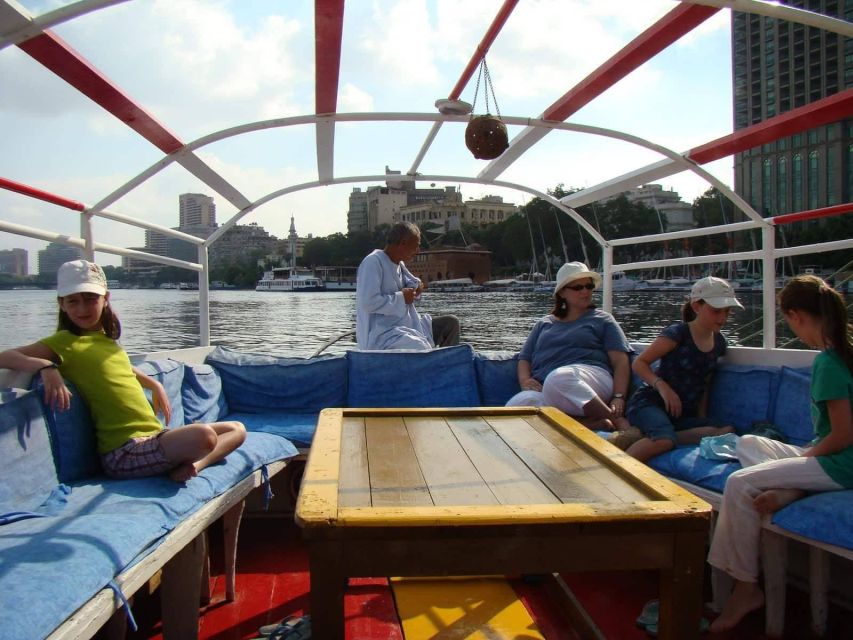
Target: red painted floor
[[273, 583]]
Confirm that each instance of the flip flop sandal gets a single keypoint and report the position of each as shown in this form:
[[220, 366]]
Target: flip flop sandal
[[291, 628], [649, 614], [652, 629]]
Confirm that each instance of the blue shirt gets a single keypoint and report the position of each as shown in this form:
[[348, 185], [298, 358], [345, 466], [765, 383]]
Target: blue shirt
[[686, 369], [554, 343], [383, 319]]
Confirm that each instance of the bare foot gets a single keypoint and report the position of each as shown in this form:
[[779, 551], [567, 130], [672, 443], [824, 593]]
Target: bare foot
[[746, 598], [596, 424], [772, 500], [183, 472], [621, 423]]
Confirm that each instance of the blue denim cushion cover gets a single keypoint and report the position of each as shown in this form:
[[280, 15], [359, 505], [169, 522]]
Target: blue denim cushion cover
[[792, 409], [438, 378], [741, 395], [497, 378], [255, 383], [169, 373], [202, 394]]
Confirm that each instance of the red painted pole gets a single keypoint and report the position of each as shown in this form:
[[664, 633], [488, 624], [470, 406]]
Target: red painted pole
[[32, 192]]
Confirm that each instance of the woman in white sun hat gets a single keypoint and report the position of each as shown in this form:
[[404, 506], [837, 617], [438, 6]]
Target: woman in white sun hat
[[576, 358]]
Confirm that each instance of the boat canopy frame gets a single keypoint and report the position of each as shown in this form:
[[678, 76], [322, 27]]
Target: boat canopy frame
[[33, 36]]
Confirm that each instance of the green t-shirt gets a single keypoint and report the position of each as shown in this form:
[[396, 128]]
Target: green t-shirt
[[831, 380], [102, 373]]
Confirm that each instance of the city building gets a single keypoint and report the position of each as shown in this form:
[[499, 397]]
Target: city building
[[13, 262], [239, 241], [383, 205], [679, 214], [357, 213], [196, 210], [54, 255], [779, 66], [452, 212], [446, 264]]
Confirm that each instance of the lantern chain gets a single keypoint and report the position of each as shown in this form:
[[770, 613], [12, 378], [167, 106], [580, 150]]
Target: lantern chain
[[488, 87]]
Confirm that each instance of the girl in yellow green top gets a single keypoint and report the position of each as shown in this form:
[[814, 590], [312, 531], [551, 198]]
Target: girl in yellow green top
[[775, 474], [131, 441]]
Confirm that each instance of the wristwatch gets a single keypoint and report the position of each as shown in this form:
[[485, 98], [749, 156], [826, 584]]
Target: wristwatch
[[620, 396]]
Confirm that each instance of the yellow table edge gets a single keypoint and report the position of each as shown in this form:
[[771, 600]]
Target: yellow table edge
[[318, 498]]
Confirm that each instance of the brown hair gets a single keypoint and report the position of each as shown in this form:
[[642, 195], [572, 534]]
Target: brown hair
[[688, 313], [561, 307], [109, 322], [813, 296]]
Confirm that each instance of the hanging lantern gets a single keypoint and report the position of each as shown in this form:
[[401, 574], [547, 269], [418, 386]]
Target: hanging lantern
[[486, 136]]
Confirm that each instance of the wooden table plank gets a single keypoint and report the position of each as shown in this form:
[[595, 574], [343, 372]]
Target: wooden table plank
[[593, 466], [448, 471], [395, 476], [509, 479], [354, 488], [318, 494], [567, 478]]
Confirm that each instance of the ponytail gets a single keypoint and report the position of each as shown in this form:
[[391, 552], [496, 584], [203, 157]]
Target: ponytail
[[815, 297], [688, 313]]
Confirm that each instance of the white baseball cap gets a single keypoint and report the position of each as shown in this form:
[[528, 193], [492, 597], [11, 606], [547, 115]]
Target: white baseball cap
[[575, 271], [80, 276], [716, 292]]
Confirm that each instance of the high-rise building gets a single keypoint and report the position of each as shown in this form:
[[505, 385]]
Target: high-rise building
[[778, 66], [14, 262], [357, 214], [240, 241], [54, 255], [196, 210], [679, 214]]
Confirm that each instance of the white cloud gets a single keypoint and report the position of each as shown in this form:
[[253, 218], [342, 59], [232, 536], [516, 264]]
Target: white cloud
[[351, 99]]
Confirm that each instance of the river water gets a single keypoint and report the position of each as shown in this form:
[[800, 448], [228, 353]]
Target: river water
[[282, 323]]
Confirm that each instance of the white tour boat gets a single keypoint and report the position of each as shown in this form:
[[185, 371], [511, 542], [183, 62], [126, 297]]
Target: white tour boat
[[289, 279]]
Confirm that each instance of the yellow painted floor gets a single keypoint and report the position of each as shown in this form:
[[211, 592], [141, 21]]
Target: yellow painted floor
[[457, 608]]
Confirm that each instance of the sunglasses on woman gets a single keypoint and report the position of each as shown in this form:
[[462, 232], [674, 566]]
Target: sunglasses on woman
[[578, 287]]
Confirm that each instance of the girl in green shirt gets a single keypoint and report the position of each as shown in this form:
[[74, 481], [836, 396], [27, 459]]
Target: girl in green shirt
[[775, 474], [131, 441]]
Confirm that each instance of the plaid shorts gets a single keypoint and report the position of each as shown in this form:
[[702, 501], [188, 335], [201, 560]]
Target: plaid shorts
[[137, 458]]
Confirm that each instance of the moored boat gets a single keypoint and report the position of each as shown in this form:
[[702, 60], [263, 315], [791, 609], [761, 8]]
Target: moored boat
[[289, 279]]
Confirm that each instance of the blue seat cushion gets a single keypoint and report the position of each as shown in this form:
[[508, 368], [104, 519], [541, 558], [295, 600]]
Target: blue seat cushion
[[29, 473], [299, 428], [497, 378], [53, 565], [438, 378], [685, 463], [202, 394], [742, 395], [254, 383], [169, 373], [826, 517], [72, 436], [792, 409]]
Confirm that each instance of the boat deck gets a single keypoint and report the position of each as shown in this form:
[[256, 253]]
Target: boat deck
[[273, 582]]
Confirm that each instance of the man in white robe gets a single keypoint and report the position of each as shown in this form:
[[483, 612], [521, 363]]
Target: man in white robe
[[386, 317]]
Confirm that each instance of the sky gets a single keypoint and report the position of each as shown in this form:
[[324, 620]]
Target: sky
[[202, 66]]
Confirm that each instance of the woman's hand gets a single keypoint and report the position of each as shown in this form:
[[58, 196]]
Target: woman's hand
[[531, 384], [160, 400], [56, 394], [670, 398], [617, 407]]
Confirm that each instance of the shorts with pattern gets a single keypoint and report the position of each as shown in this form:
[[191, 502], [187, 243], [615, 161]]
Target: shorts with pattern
[[137, 458]]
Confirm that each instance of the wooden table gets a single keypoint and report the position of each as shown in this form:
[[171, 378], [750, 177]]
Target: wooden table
[[432, 492]]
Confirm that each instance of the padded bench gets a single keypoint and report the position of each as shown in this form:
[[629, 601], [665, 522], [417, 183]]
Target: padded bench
[[75, 544]]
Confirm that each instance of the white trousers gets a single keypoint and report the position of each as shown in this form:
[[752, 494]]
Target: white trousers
[[569, 389], [768, 464]]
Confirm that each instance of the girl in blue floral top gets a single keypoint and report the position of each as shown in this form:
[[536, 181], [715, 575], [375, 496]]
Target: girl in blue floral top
[[670, 407]]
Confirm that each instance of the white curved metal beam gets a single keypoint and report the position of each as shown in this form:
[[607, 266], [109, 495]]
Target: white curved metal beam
[[18, 24], [782, 12]]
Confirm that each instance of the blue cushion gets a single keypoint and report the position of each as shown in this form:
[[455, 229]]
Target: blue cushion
[[53, 565], [72, 435], [29, 473], [202, 394], [169, 373], [792, 409], [438, 378], [255, 383], [299, 428], [826, 517], [685, 463], [497, 378], [742, 395]]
